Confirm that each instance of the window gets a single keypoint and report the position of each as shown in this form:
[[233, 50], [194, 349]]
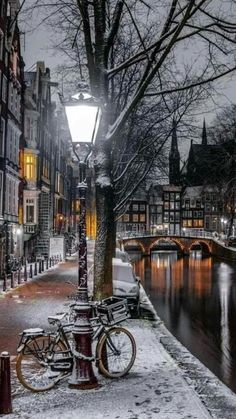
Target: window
[[126, 218], [198, 203], [177, 205], [172, 196], [4, 89], [135, 207], [142, 207], [2, 136], [166, 205], [142, 218], [153, 209], [1, 44], [207, 223], [166, 217], [166, 197], [187, 203], [177, 216], [172, 217], [30, 163], [29, 210], [197, 223], [172, 205], [200, 214], [135, 218], [207, 207], [177, 197]]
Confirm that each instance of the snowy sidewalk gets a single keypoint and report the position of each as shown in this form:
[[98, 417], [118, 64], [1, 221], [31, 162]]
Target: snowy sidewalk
[[156, 388]]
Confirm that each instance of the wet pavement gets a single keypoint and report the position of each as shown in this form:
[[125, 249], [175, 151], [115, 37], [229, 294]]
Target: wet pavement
[[30, 304]]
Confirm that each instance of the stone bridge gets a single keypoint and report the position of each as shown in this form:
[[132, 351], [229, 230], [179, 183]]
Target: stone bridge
[[184, 244]]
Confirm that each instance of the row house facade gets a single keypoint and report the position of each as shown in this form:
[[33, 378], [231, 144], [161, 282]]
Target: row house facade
[[11, 129], [189, 201], [46, 166]]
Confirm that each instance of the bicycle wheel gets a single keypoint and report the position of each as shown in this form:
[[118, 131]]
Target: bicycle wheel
[[116, 352], [32, 368]]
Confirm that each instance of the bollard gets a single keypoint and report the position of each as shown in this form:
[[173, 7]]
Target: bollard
[[40, 267], [50, 262], [31, 271], [19, 275], [47, 263], [4, 285], [12, 279], [35, 268], [25, 271], [5, 384]]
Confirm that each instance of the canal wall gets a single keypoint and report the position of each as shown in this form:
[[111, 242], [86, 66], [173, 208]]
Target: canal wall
[[222, 251]]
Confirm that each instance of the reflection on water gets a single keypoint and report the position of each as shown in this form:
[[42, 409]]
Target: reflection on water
[[196, 298]]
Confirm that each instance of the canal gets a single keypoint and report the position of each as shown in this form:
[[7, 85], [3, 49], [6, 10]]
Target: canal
[[196, 299]]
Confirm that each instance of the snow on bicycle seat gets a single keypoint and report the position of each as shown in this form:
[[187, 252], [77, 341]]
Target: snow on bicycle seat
[[58, 316], [34, 331]]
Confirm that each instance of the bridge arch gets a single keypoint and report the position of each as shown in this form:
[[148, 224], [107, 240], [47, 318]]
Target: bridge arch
[[134, 242], [205, 246], [175, 240]]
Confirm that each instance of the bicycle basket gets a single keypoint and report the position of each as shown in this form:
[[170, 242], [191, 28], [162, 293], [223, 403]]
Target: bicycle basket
[[113, 310]]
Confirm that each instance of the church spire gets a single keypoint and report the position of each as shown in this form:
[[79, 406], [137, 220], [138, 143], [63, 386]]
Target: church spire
[[174, 158], [174, 142], [204, 134]]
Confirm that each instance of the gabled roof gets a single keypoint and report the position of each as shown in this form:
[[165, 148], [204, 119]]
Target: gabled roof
[[208, 163]]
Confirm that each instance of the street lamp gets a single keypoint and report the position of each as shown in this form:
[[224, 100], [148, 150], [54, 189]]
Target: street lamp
[[83, 114]]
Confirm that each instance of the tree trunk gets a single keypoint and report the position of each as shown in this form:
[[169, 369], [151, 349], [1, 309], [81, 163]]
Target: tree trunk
[[106, 225], [105, 242]]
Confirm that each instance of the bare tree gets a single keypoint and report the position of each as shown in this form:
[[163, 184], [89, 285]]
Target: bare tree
[[134, 52]]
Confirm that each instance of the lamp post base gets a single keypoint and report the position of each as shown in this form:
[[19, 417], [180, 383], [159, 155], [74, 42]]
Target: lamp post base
[[83, 377]]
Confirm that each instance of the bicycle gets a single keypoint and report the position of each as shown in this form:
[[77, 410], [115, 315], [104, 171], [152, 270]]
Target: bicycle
[[44, 357]]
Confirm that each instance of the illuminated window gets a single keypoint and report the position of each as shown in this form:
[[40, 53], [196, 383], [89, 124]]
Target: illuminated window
[[197, 223], [30, 166], [135, 218], [29, 210], [126, 218], [142, 218]]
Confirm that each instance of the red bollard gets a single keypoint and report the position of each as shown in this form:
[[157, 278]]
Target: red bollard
[[5, 384]]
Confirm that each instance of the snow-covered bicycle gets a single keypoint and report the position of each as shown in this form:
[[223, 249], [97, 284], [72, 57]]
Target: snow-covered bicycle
[[45, 357]]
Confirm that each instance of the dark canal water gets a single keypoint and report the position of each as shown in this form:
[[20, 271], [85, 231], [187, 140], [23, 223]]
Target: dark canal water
[[196, 299]]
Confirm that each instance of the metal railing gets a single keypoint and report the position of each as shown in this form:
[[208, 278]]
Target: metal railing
[[183, 233]]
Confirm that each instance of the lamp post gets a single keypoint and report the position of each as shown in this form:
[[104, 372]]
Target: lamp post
[[83, 114]]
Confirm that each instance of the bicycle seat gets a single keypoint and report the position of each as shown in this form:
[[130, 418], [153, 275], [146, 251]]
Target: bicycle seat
[[56, 317], [33, 332]]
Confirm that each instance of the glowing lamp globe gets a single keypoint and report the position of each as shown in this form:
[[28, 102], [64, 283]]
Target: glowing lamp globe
[[83, 115]]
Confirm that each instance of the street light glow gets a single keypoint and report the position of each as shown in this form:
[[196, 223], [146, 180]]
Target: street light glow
[[83, 121]]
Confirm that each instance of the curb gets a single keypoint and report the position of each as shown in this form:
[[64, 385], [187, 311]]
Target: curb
[[219, 400]]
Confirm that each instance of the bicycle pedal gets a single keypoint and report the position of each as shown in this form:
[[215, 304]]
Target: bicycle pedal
[[62, 367]]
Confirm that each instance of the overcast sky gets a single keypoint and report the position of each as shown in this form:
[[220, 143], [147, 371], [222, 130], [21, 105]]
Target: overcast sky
[[36, 46]]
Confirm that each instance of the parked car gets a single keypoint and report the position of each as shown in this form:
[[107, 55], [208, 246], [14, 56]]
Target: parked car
[[230, 241], [121, 254], [125, 283]]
